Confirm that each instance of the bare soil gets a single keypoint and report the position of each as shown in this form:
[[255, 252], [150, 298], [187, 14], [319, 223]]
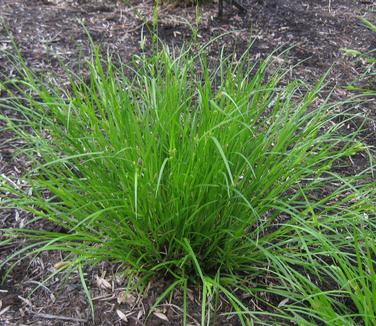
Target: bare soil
[[50, 32]]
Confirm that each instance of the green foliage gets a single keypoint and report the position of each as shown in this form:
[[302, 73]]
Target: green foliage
[[215, 178], [369, 75]]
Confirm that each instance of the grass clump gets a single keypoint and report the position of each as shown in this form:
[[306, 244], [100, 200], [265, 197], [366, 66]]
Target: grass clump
[[218, 178], [368, 59]]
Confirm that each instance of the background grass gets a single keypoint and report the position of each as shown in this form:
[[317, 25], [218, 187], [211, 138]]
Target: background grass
[[215, 178]]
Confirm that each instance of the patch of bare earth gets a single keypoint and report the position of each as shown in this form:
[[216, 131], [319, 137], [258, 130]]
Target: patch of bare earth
[[48, 32]]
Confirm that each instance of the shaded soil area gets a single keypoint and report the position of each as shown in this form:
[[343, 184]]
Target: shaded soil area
[[49, 32]]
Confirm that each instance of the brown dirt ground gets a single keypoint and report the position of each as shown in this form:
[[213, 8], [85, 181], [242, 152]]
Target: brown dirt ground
[[49, 32]]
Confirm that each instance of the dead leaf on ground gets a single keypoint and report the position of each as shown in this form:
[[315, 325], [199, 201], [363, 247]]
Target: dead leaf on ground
[[102, 283], [283, 302], [128, 298], [160, 315], [121, 315]]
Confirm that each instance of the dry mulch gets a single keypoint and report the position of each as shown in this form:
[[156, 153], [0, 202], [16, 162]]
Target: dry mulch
[[48, 32]]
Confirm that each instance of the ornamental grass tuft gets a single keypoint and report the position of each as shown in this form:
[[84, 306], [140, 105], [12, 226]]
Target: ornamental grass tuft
[[225, 179]]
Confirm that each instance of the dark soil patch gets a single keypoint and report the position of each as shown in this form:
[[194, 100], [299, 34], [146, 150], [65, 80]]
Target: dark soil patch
[[48, 32]]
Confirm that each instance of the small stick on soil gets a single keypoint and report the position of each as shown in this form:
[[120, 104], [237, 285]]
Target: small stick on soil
[[48, 316]]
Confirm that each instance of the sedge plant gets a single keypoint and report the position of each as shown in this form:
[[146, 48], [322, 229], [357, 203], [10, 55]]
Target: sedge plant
[[220, 179]]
